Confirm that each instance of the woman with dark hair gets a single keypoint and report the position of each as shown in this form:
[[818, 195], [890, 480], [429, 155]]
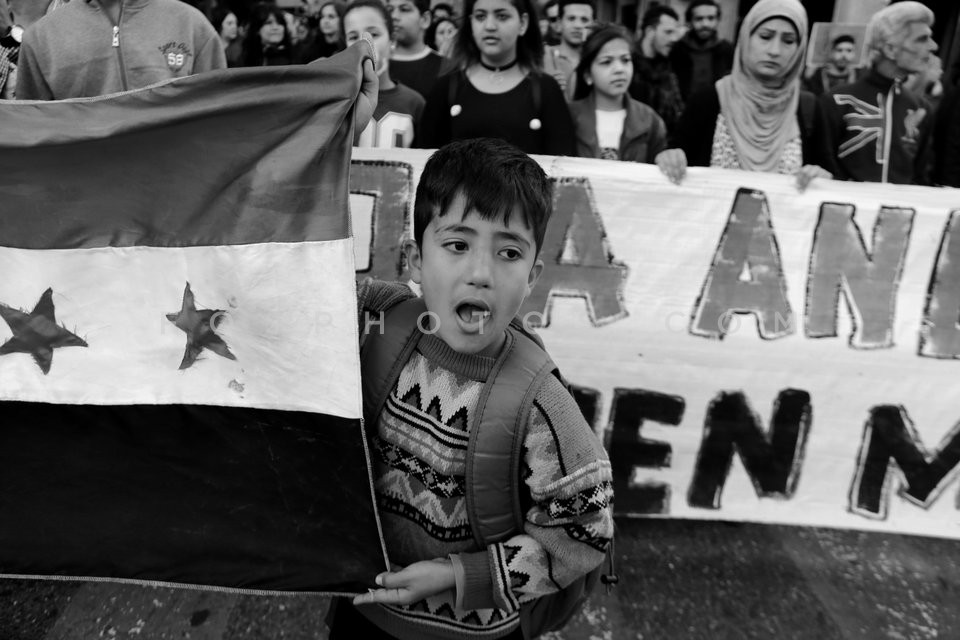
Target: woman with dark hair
[[610, 124], [441, 35], [268, 41], [228, 27], [497, 88], [327, 38], [757, 118]]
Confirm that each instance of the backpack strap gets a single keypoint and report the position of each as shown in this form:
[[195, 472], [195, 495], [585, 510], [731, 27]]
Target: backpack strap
[[384, 353], [496, 439], [453, 89]]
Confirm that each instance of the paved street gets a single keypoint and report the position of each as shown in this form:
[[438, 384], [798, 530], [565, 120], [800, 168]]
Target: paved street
[[679, 579]]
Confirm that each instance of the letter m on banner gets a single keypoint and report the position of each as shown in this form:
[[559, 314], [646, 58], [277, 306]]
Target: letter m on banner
[[892, 447]]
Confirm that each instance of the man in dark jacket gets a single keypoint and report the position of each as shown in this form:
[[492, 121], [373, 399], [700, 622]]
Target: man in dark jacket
[[875, 130], [654, 82], [701, 58], [839, 69]]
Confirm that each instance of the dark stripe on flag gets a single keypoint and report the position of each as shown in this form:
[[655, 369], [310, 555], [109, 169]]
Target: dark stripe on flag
[[231, 497], [230, 157]]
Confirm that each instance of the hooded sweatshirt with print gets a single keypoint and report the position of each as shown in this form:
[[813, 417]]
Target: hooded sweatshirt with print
[[78, 51]]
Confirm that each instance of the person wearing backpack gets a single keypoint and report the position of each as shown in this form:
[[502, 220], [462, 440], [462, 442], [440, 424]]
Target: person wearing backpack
[[493, 491]]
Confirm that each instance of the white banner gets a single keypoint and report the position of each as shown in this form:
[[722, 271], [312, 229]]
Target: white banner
[[748, 352]]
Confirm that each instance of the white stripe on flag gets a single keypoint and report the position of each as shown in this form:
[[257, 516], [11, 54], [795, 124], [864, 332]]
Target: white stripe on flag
[[289, 319]]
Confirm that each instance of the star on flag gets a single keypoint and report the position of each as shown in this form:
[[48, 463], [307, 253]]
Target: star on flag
[[38, 334]]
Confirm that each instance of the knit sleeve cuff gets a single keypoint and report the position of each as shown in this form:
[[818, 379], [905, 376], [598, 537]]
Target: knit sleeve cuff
[[474, 583]]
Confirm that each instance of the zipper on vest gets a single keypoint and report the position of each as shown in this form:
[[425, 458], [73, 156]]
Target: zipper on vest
[[115, 44], [888, 130]]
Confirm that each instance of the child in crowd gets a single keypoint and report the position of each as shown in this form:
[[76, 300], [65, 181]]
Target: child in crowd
[[610, 124], [497, 89], [481, 211], [398, 107]]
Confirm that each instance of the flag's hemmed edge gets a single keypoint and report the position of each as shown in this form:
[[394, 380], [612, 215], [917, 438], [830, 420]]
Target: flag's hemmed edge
[[179, 585]]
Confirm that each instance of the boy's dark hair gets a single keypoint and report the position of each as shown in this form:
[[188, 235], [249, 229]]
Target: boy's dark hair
[[688, 14], [493, 177], [529, 45], [844, 37], [600, 36], [651, 18], [423, 6], [566, 3], [376, 5], [443, 6]]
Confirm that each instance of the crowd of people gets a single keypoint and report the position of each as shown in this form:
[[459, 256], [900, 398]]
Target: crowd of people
[[550, 79]]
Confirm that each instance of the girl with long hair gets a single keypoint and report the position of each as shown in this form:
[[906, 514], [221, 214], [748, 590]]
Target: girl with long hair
[[609, 123], [497, 88], [268, 40]]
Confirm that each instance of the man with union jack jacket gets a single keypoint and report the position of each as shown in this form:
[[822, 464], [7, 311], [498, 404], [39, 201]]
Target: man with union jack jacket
[[875, 130]]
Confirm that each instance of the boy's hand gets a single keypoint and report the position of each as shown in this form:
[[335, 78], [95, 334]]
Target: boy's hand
[[369, 91], [412, 584]]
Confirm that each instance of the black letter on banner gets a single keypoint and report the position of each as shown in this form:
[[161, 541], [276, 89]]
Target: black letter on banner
[[888, 437], [629, 451], [939, 336], [391, 185], [588, 400], [592, 273], [840, 262], [773, 461], [746, 275]]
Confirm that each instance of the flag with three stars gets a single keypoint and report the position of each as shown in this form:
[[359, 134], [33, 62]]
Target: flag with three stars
[[179, 372]]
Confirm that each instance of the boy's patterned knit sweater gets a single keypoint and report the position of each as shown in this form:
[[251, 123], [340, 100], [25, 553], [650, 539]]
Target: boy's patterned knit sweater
[[419, 455]]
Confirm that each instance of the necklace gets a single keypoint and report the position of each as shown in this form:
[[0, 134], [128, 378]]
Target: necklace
[[498, 71]]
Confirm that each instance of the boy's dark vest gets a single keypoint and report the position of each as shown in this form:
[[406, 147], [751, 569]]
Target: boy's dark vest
[[495, 444]]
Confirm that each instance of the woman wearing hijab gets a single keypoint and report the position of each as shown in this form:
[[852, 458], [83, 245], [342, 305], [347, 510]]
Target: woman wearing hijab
[[757, 118]]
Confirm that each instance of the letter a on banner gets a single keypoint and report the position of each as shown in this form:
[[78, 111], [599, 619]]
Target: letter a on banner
[[593, 275], [746, 275]]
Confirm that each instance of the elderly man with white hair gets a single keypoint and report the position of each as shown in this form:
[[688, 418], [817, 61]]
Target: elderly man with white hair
[[875, 130]]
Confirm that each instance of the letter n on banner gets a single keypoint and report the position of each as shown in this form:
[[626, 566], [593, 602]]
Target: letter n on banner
[[939, 335], [773, 461], [577, 260], [840, 263], [390, 184], [746, 275], [891, 442]]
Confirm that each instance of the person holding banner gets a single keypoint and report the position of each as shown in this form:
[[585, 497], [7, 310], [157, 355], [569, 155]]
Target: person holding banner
[[452, 385], [610, 124], [498, 88], [757, 118]]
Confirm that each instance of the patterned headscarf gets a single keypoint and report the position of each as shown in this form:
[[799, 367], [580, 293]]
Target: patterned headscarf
[[763, 119]]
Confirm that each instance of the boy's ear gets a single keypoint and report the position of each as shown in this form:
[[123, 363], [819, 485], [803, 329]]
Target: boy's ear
[[535, 272], [414, 260]]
